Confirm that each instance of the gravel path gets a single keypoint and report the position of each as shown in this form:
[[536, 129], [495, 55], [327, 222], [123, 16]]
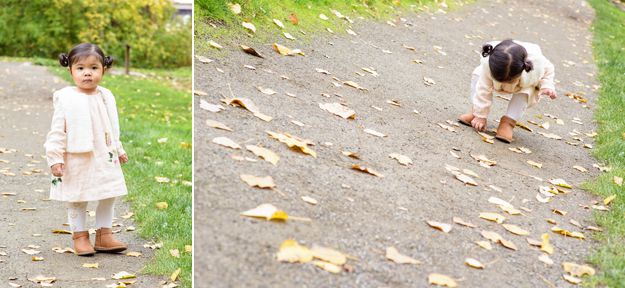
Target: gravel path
[[360, 214]]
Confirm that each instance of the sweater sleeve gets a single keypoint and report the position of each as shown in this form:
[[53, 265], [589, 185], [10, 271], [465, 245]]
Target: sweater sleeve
[[546, 81], [483, 98], [56, 140], [115, 120]]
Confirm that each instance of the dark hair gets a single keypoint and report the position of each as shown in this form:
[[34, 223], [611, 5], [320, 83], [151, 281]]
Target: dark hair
[[82, 51], [507, 60]]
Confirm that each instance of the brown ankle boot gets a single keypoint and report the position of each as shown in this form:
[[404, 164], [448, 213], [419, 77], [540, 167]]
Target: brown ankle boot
[[504, 131], [82, 245], [466, 118], [105, 242]]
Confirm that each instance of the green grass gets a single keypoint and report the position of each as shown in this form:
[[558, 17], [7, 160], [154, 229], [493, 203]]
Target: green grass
[[609, 51], [261, 13], [149, 110]]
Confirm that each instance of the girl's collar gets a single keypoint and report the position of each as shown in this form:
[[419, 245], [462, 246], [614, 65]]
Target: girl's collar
[[98, 90]]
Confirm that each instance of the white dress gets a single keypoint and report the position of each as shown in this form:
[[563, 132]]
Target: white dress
[[92, 175]]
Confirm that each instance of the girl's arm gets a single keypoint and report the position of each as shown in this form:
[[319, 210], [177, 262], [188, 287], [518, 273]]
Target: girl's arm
[[115, 118], [546, 81], [56, 141], [483, 95]]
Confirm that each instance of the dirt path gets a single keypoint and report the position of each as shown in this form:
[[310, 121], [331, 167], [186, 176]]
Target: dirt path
[[362, 215], [25, 113]]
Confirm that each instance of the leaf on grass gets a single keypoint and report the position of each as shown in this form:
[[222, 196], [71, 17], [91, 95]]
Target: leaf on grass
[[577, 270], [249, 105], [218, 125], [459, 221], [264, 153], [288, 36], [290, 251], [161, 205], [266, 211], [328, 255], [493, 217], [366, 170], [278, 23], [618, 181], [514, 229], [260, 182], [339, 110], [393, 255], [293, 18], [235, 8], [404, 160], [215, 44], [174, 253], [251, 51], [609, 199], [373, 132], [440, 226], [441, 280], [175, 274], [294, 143], [568, 233], [249, 26], [227, 142], [473, 263]]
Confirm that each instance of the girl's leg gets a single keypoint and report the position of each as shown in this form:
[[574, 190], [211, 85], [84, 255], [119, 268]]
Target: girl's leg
[[104, 213], [517, 106], [76, 215]]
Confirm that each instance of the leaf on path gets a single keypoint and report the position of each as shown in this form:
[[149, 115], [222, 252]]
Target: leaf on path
[[484, 161], [351, 154], [61, 231], [290, 251], [249, 105], [264, 153], [203, 59], [91, 265], [510, 210], [249, 26], [266, 211], [368, 170], [63, 250], [428, 81], [123, 275], [328, 255], [374, 133], [404, 160], [545, 259], [322, 71], [260, 182], [283, 50], [215, 44], [294, 143], [440, 226], [459, 221], [227, 142], [498, 201], [441, 280], [31, 251], [568, 233], [493, 217], [217, 125], [544, 125], [560, 182], [251, 51], [473, 263], [210, 107], [36, 259], [580, 168], [310, 200], [43, 280], [484, 244], [134, 254], [278, 23], [490, 235], [354, 85], [550, 135], [508, 244], [577, 270], [446, 127], [535, 164], [266, 91], [514, 229], [332, 268], [571, 279], [533, 242], [465, 179], [394, 255], [288, 36], [371, 71], [339, 110], [559, 212]]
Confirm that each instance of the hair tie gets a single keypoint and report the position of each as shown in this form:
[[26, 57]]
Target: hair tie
[[63, 60], [487, 50], [528, 66], [108, 61]]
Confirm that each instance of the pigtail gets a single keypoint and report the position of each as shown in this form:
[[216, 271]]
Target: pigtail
[[64, 60], [487, 49], [108, 61], [528, 65]]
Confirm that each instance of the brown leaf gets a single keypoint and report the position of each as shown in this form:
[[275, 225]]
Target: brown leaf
[[440, 226], [249, 105], [354, 85], [264, 153], [293, 19], [294, 143], [366, 170], [251, 51], [260, 182]]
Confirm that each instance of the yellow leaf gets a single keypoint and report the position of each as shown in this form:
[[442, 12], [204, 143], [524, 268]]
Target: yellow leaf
[[36, 258], [546, 246], [291, 251], [354, 85], [267, 211], [174, 275], [441, 280], [559, 212], [572, 279], [249, 105], [264, 153], [218, 125], [498, 201], [493, 217], [618, 181], [350, 154], [465, 179], [514, 229], [366, 170], [174, 253], [393, 255], [249, 26], [560, 182], [510, 210], [91, 265], [534, 242], [227, 142], [577, 270], [508, 244], [310, 200], [61, 231], [332, 268], [404, 160], [161, 179], [161, 205], [484, 244], [214, 44], [123, 275], [328, 255], [545, 259], [492, 236], [278, 23], [440, 226], [568, 233], [133, 254], [339, 110], [535, 164], [286, 51], [609, 199], [293, 143], [260, 182], [474, 263]]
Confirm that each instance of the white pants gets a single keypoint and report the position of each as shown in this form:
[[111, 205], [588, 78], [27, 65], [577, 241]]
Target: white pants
[[516, 106], [77, 214]]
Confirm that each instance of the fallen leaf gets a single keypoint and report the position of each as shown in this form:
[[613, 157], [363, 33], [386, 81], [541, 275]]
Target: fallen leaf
[[278, 23], [578, 270], [283, 50], [618, 181], [484, 244], [294, 143], [267, 211], [366, 170], [264, 153], [560, 182], [550, 135], [251, 51], [580, 168], [428, 81], [374, 133], [609, 199], [249, 26], [559, 212], [568, 233], [474, 263], [492, 236], [161, 179], [545, 259], [459, 221], [535, 164], [293, 18], [235, 8], [393, 255], [493, 217], [123, 275], [514, 229], [91, 265], [218, 125], [61, 231], [498, 201], [328, 255], [161, 205], [354, 85], [290, 251], [440, 226], [446, 127], [465, 179], [174, 275], [288, 36], [266, 91], [210, 107], [174, 253], [339, 110], [203, 59], [441, 280], [484, 160], [572, 279], [36, 259], [134, 254], [332, 268], [508, 244], [227, 142], [404, 160], [309, 200], [215, 44], [260, 182], [31, 251]]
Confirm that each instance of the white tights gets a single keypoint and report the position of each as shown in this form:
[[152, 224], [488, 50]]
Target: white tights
[[516, 106], [77, 214]]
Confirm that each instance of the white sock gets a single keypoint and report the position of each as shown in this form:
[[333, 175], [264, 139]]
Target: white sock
[[76, 215], [104, 213], [517, 105]]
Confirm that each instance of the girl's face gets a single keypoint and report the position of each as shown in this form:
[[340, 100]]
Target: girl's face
[[87, 73]]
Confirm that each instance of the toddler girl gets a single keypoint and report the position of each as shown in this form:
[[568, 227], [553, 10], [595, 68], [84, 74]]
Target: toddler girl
[[83, 149], [508, 67]]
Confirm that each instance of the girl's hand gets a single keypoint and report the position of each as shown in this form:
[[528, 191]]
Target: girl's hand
[[478, 123], [549, 92], [123, 158], [57, 169]]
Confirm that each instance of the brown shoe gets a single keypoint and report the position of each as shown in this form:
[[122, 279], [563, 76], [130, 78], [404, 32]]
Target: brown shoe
[[466, 118], [504, 131], [105, 242], [82, 245]]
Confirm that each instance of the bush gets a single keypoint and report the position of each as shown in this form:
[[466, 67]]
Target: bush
[[45, 28]]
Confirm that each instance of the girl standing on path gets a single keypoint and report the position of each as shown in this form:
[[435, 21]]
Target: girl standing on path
[[83, 149], [508, 67]]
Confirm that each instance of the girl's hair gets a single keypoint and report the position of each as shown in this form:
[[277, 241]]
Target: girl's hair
[[507, 60], [82, 51]]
